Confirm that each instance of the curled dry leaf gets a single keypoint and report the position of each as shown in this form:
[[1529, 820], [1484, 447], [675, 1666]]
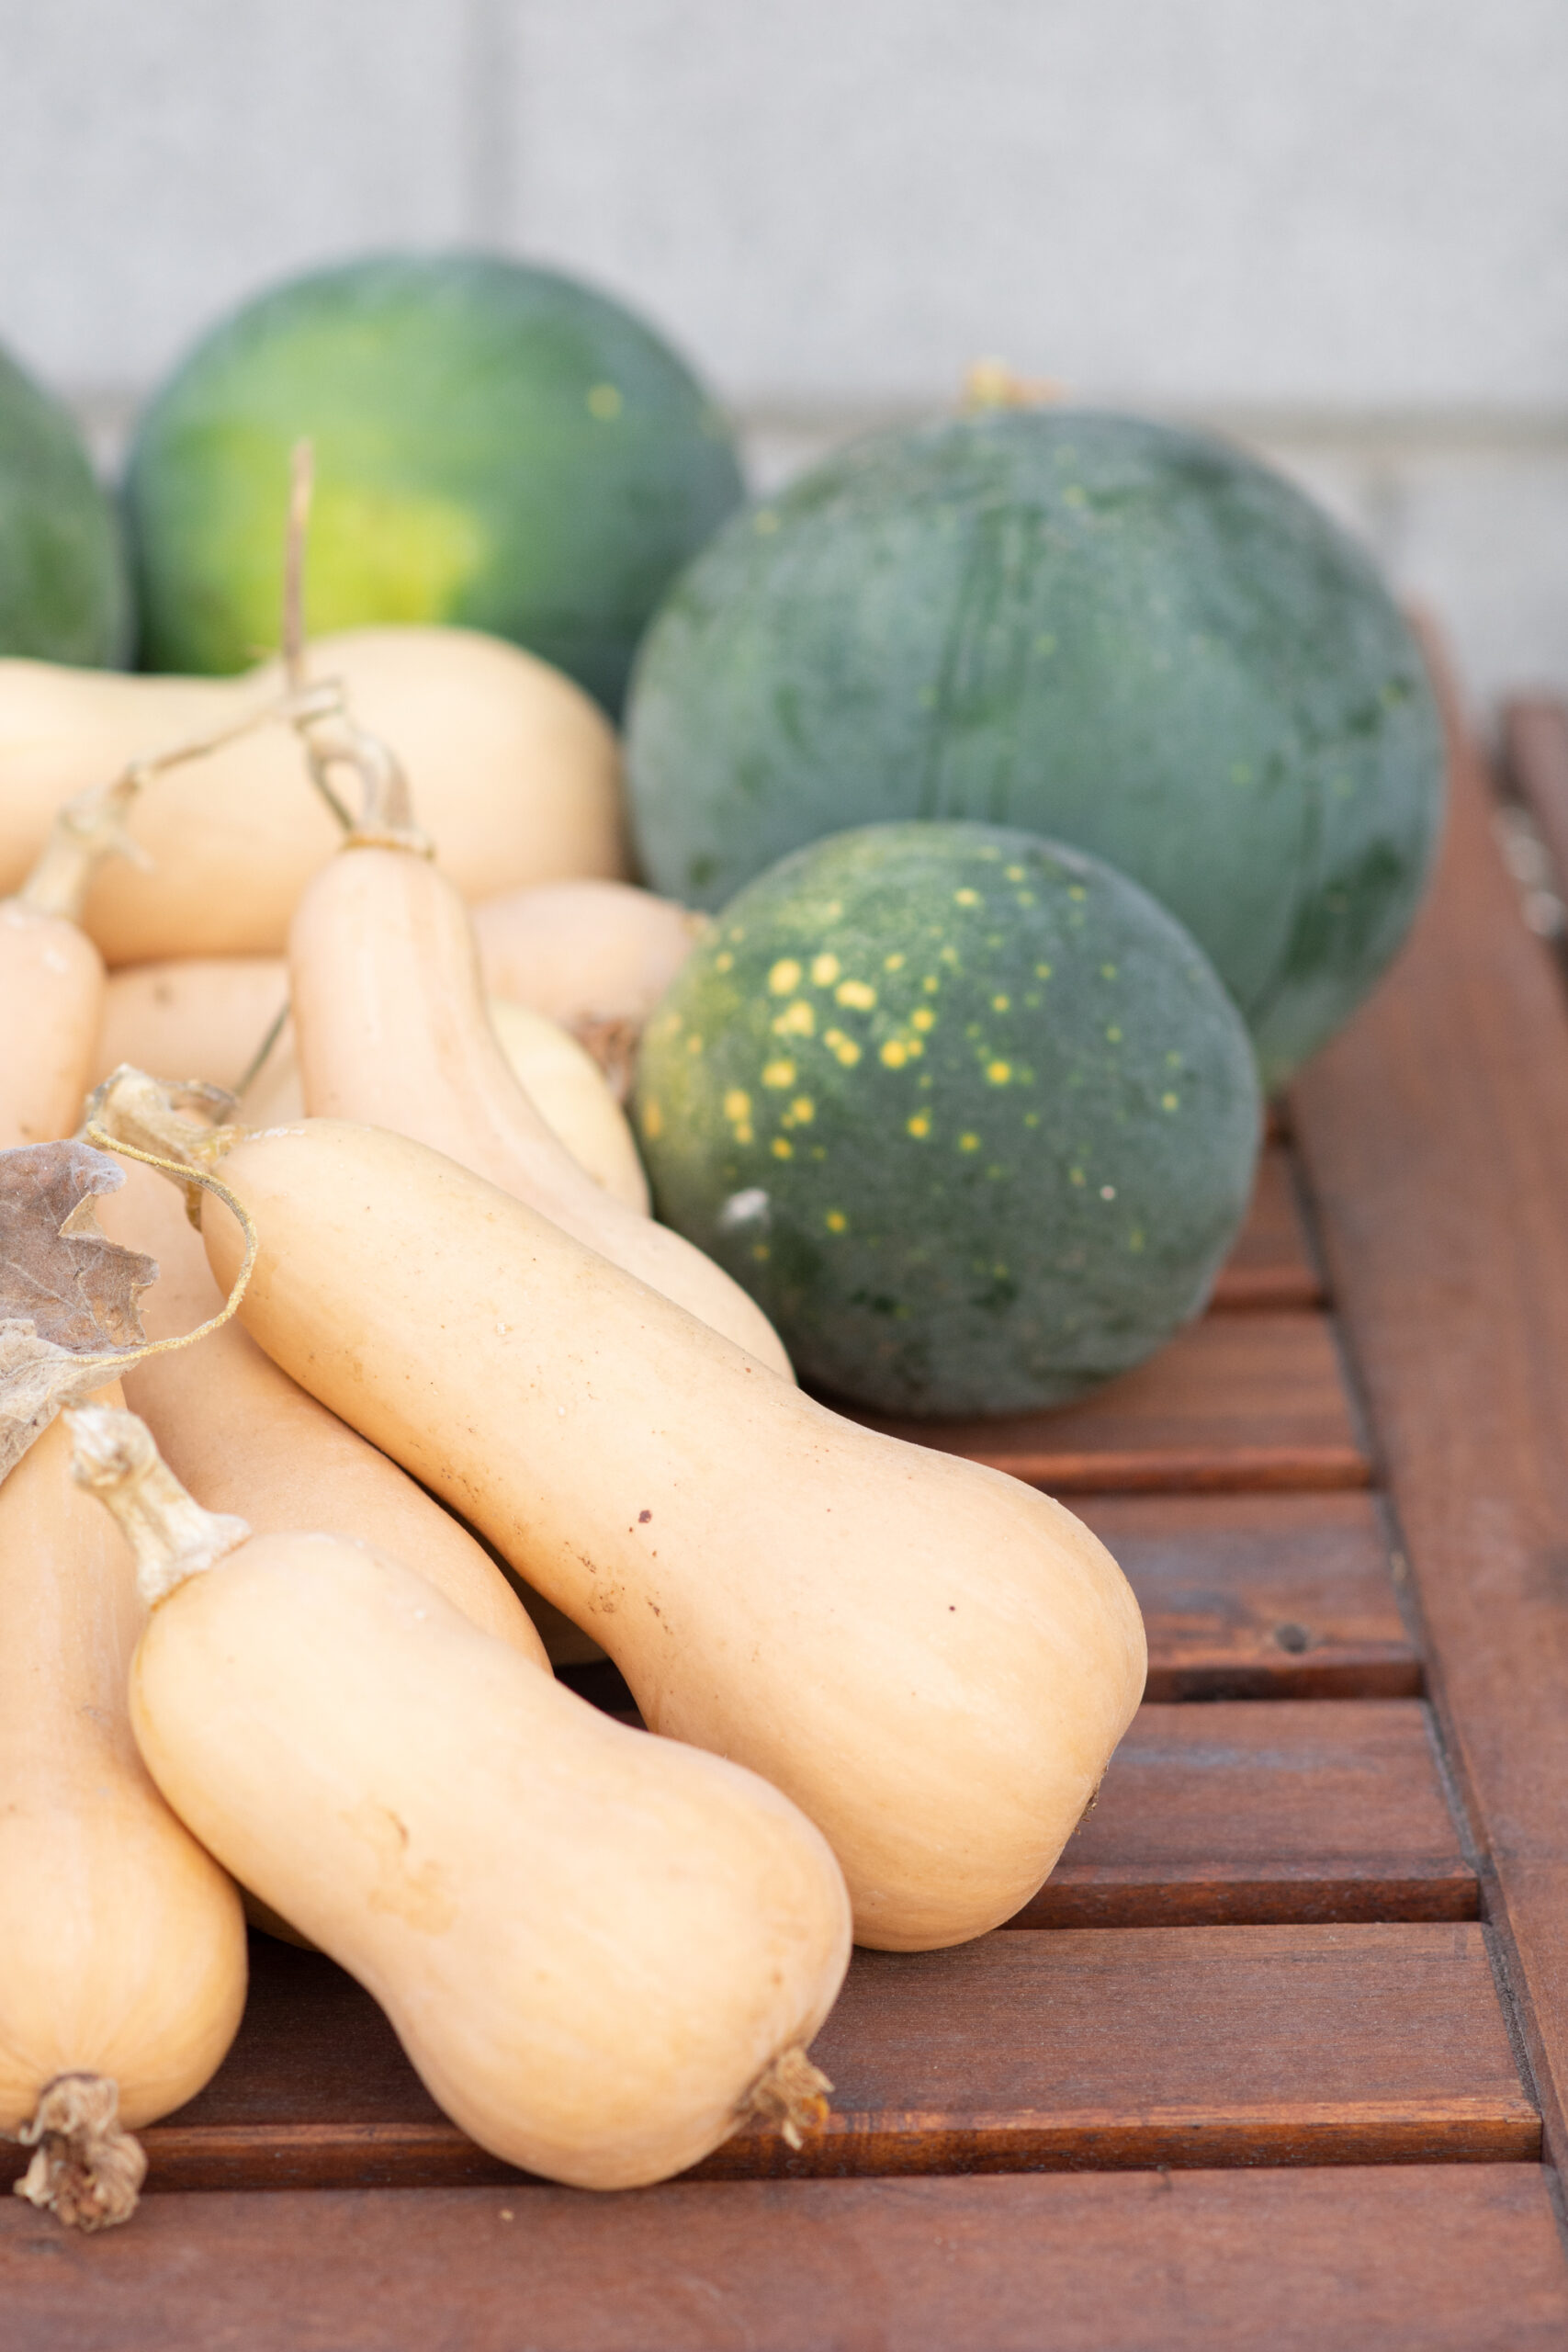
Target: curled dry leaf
[[68, 1294]]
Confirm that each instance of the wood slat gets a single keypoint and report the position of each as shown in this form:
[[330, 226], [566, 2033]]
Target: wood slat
[[1236, 1813], [1535, 748], [1451, 2259], [1261, 1596], [1084, 2047], [1271, 1264], [1236, 1401], [1435, 1132]]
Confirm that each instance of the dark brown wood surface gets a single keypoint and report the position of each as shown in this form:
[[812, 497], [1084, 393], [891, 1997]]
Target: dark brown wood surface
[[1435, 1134], [1233, 1813], [1445, 2258], [1263, 1596], [1233, 1401], [1272, 1264]]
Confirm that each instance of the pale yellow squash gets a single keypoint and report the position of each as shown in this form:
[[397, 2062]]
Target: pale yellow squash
[[246, 1439], [392, 1028], [933, 1660], [594, 956], [518, 772], [122, 1947], [602, 1951]]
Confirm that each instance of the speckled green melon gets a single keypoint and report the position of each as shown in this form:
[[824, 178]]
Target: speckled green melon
[[497, 447], [1127, 637], [63, 584], [970, 1115]]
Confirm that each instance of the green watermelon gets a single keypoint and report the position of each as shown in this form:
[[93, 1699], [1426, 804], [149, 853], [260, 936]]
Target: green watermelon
[[1127, 637], [63, 586], [970, 1115], [495, 445]]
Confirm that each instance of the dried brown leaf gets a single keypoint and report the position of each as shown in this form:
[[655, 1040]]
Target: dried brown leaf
[[68, 1294]]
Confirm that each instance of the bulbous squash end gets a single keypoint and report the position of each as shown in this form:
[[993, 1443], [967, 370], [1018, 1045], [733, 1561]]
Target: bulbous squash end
[[85, 2169]]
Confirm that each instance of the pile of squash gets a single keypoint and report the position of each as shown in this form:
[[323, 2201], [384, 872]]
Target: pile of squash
[[339, 1355]]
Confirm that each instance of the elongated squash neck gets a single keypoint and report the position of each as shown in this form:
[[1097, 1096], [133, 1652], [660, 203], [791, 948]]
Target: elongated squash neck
[[171, 1537]]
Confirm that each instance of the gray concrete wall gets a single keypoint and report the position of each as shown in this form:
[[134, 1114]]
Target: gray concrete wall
[[1341, 231]]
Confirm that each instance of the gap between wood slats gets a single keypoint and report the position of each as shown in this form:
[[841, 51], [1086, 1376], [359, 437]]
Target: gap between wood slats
[[1100, 2048], [1323, 1810], [1426, 2259], [1234, 1402]]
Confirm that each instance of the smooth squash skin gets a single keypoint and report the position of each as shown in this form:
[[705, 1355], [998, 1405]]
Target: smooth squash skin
[[244, 1437], [51, 987], [392, 1030], [933, 1660], [208, 1017], [584, 952], [594, 1946], [122, 1947], [518, 774]]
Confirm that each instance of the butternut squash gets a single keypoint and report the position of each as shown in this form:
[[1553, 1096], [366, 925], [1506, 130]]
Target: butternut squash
[[934, 1661], [209, 1016], [51, 977], [392, 1028], [518, 771], [601, 1951], [595, 955], [122, 1949], [246, 1440]]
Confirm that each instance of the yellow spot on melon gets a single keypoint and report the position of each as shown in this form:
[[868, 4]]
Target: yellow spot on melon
[[1001, 1005], [802, 1109], [652, 1119], [779, 1074], [723, 963], [1170, 1101], [947, 956], [797, 1020], [857, 994], [746, 1132], [893, 963], [998, 1072], [922, 1017], [737, 1103], [1014, 873], [894, 1053], [825, 971], [1075, 1176], [967, 898], [384, 554], [931, 984], [765, 522], [693, 1044], [760, 1251], [920, 1124], [836, 1221], [845, 1048], [783, 1148], [1114, 1034], [968, 1143], [1078, 892], [1107, 971], [1042, 971], [784, 977], [606, 402]]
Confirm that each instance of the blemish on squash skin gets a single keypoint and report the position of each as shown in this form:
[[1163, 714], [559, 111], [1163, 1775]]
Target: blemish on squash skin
[[420, 1897]]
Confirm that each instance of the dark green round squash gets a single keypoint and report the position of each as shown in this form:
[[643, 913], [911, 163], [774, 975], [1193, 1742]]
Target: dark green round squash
[[496, 447], [1123, 636], [970, 1115], [63, 583]]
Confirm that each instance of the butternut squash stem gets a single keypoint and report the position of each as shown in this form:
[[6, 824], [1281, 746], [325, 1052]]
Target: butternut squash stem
[[258, 1060], [85, 2169], [385, 813], [186, 1177], [792, 2094], [171, 1537]]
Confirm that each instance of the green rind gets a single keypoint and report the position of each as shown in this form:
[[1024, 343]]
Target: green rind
[[496, 447], [1117, 634], [63, 590], [1090, 1128]]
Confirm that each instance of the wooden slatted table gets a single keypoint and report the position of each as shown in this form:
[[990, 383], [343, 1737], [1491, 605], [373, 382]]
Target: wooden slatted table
[[1278, 2056]]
